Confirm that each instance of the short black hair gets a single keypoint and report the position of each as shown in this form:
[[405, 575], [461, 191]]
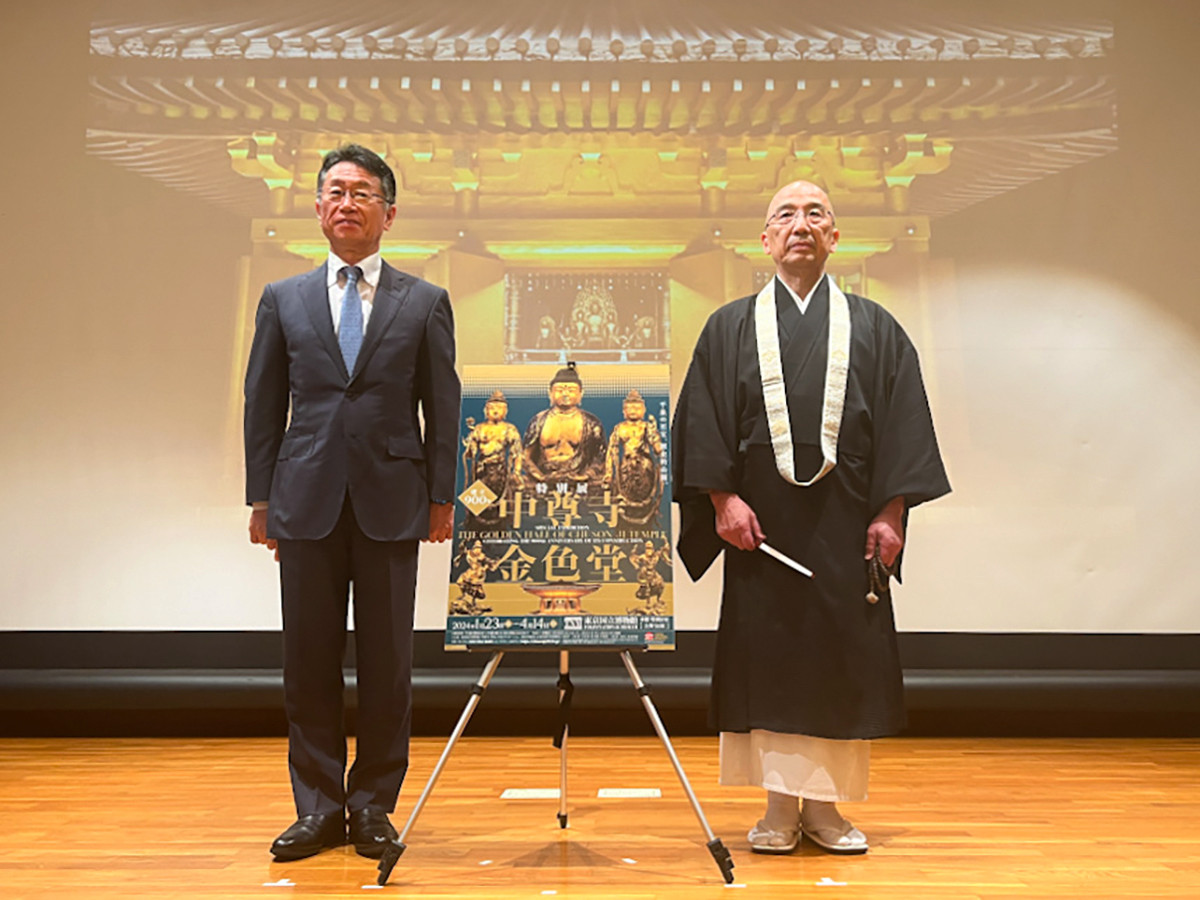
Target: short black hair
[[364, 159]]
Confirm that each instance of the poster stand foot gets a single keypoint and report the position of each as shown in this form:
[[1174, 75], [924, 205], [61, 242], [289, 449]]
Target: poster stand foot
[[395, 850]]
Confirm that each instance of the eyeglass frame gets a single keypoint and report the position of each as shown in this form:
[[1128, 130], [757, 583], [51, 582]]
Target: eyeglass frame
[[358, 196], [788, 214]]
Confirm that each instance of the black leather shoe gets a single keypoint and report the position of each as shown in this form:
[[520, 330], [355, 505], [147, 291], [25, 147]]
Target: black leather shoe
[[309, 835], [371, 832]]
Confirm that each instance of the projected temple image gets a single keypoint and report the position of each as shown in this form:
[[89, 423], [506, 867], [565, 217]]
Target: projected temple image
[[590, 191], [589, 182], [616, 316]]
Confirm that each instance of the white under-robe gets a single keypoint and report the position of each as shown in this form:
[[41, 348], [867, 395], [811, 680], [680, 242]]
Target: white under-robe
[[796, 764]]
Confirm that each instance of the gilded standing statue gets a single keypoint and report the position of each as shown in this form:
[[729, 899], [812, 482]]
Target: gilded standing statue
[[493, 454], [632, 468]]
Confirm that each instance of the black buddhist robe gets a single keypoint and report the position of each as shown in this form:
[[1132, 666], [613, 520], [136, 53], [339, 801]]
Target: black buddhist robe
[[799, 655]]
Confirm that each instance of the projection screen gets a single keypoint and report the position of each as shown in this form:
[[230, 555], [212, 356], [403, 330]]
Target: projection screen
[[551, 152]]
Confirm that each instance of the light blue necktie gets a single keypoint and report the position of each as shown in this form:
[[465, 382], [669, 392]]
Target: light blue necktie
[[350, 328]]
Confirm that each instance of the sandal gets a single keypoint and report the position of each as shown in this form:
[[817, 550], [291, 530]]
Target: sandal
[[767, 840]]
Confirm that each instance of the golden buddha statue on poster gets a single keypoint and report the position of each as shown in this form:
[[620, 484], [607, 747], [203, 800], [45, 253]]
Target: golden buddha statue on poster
[[564, 443]]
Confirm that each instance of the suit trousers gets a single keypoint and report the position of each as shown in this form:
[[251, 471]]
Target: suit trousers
[[315, 579]]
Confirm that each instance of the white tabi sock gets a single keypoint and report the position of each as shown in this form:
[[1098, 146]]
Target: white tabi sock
[[821, 814], [783, 811]]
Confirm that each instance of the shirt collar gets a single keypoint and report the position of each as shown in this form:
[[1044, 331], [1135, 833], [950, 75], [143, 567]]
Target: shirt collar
[[371, 267]]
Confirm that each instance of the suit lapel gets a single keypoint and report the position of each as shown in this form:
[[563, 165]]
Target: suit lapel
[[314, 294], [389, 297]]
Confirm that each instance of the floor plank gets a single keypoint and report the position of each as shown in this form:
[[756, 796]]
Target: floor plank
[[948, 818]]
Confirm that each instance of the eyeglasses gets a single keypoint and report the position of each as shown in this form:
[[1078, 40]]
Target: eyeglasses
[[814, 215], [358, 197]]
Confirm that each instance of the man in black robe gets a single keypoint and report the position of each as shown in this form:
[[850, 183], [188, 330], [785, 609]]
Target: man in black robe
[[803, 423]]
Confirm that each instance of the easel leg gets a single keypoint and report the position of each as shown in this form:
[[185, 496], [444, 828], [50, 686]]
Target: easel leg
[[392, 854], [718, 850], [565, 690]]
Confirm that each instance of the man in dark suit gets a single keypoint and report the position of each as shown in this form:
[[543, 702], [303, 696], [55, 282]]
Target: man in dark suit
[[343, 489]]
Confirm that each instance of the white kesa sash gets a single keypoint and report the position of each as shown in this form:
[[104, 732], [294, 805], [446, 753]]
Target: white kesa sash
[[837, 371]]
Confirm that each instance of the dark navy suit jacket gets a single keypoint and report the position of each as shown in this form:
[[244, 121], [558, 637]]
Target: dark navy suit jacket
[[356, 432]]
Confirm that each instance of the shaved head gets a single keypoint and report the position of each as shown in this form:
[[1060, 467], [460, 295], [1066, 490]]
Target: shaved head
[[806, 188], [800, 233]]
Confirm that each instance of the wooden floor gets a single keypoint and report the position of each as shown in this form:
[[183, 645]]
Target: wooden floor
[[959, 818]]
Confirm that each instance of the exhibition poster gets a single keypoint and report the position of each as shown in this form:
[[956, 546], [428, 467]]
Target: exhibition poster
[[562, 520]]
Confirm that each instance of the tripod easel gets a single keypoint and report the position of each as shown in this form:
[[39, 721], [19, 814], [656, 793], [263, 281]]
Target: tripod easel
[[718, 850]]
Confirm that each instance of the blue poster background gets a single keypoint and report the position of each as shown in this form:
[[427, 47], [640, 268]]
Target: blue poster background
[[556, 561]]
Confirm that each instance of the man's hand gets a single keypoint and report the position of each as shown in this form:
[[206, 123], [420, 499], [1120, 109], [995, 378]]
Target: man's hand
[[258, 531], [736, 522], [886, 532], [441, 522]]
